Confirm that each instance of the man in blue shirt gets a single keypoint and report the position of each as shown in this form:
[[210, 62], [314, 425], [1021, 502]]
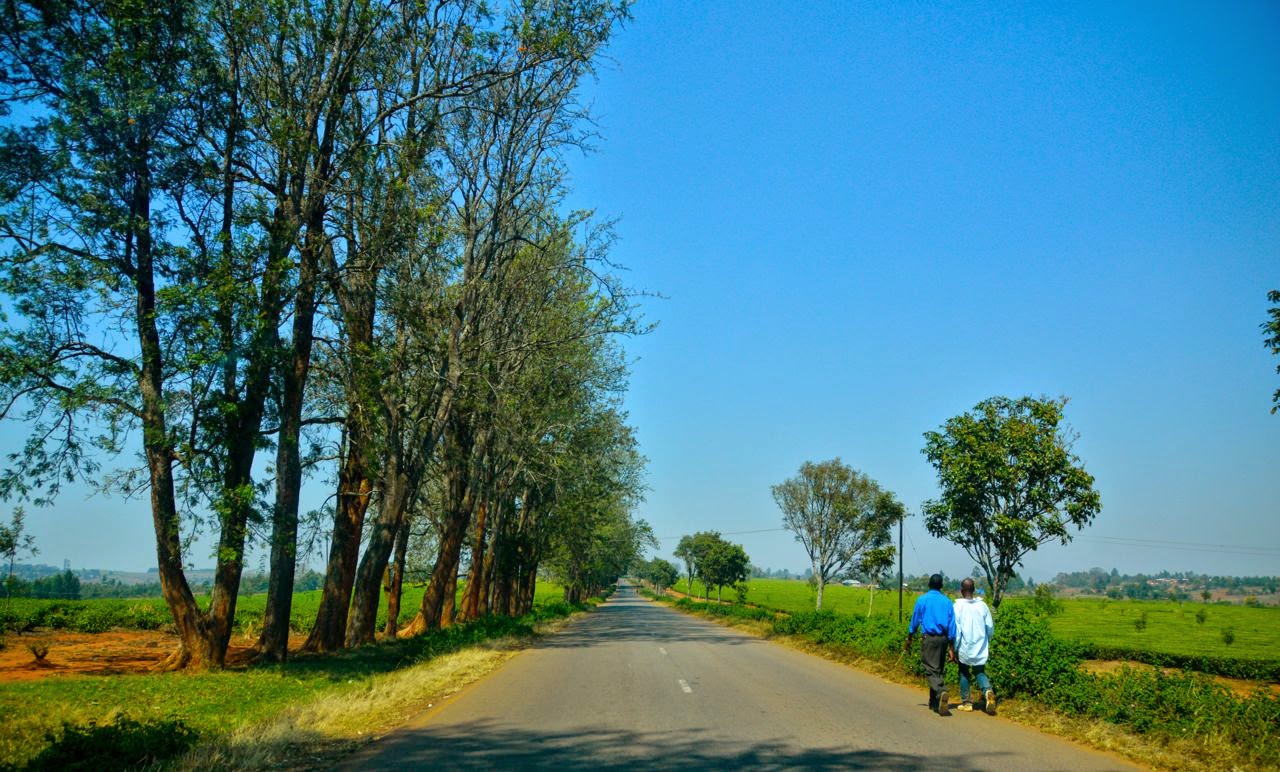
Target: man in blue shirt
[[934, 616]]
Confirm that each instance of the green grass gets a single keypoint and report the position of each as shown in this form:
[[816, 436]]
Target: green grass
[[101, 614], [219, 703], [1171, 627], [794, 595]]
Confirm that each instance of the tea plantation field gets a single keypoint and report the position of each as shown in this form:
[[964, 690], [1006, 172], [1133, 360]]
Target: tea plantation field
[[101, 614], [1165, 627]]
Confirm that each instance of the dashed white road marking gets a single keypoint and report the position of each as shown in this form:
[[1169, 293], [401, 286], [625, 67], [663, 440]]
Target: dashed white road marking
[[684, 687]]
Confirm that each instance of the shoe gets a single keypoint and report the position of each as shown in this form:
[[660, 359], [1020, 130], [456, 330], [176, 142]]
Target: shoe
[[944, 709], [965, 706], [991, 702]]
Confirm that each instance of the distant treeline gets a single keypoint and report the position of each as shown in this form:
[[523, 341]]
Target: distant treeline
[[67, 585], [1183, 585]]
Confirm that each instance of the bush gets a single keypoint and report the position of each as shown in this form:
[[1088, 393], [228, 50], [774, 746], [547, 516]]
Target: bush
[[1028, 658], [1201, 616], [1228, 635], [1140, 623]]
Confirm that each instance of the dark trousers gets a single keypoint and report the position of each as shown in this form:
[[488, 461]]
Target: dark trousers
[[933, 653]]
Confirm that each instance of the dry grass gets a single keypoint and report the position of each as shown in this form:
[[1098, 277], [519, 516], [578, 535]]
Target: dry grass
[[318, 733]]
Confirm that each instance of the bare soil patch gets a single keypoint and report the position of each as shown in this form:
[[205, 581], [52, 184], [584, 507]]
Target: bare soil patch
[[119, 652]]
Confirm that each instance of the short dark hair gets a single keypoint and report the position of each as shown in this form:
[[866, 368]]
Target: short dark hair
[[966, 586], [935, 582]]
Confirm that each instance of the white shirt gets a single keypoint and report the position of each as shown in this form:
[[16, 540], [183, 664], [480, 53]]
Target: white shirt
[[973, 630]]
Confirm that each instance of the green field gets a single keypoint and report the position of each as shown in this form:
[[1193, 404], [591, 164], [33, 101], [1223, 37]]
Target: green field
[[101, 614], [1171, 627], [794, 595]]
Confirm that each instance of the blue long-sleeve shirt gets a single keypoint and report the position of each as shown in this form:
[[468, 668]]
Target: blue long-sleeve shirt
[[934, 614]]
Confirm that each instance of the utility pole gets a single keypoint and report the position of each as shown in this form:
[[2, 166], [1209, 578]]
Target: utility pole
[[901, 520]]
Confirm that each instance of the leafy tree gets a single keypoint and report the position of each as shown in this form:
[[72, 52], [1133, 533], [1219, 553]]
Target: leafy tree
[[839, 515], [1009, 483], [1271, 338], [14, 542], [693, 550], [723, 563], [660, 573]]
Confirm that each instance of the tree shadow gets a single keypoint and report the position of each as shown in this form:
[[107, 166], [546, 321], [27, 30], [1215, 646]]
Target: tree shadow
[[488, 745]]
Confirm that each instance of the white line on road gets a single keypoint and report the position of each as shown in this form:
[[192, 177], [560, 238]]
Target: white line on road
[[684, 687], [664, 651]]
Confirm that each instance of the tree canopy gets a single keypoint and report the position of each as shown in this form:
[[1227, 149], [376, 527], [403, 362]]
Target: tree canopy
[[839, 515], [1009, 482]]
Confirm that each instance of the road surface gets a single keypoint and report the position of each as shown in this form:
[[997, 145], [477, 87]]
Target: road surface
[[635, 685]]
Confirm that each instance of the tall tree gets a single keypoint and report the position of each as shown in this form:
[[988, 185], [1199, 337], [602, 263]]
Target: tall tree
[[1009, 482], [127, 309], [837, 514]]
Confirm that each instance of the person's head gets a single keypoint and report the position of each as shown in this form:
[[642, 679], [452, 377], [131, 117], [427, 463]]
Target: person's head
[[966, 588], [935, 582]]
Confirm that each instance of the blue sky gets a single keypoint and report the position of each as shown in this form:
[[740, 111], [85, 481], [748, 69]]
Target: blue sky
[[866, 218]]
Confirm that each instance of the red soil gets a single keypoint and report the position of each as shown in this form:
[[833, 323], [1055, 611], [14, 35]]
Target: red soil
[[114, 653]]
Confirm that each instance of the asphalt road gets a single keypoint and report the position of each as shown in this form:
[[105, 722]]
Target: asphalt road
[[639, 686]]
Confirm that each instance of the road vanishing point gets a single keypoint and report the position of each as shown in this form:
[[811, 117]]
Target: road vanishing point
[[636, 686]]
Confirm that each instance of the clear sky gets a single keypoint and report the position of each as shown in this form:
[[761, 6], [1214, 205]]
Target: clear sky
[[865, 218]]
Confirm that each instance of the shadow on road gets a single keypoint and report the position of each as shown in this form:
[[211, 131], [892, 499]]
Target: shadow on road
[[487, 745]]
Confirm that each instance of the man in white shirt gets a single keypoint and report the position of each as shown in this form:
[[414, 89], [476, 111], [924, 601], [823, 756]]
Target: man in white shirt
[[973, 635]]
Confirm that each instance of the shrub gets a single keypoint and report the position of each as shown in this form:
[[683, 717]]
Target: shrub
[[1027, 658], [1140, 623], [1201, 616], [1228, 635], [1044, 601]]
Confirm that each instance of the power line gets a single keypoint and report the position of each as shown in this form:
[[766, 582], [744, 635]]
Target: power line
[[1229, 549], [730, 533]]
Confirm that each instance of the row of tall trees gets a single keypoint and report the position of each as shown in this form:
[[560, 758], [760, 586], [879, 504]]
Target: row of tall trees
[[261, 241]]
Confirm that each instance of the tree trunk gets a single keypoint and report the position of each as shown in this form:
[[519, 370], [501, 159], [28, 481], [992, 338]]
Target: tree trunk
[[354, 488], [194, 649], [391, 517], [475, 580], [273, 644], [395, 587], [442, 585]]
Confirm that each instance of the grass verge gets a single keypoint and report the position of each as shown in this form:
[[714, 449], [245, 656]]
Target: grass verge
[[301, 715]]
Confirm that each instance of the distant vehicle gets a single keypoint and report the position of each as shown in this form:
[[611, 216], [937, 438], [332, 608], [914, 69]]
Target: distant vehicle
[[851, 583]]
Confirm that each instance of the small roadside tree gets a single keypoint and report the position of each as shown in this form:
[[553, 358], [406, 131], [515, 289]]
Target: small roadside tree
[[661, 574], [13, 542], [836, 514], [692, 550], [724, 563], [1009, 483]]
